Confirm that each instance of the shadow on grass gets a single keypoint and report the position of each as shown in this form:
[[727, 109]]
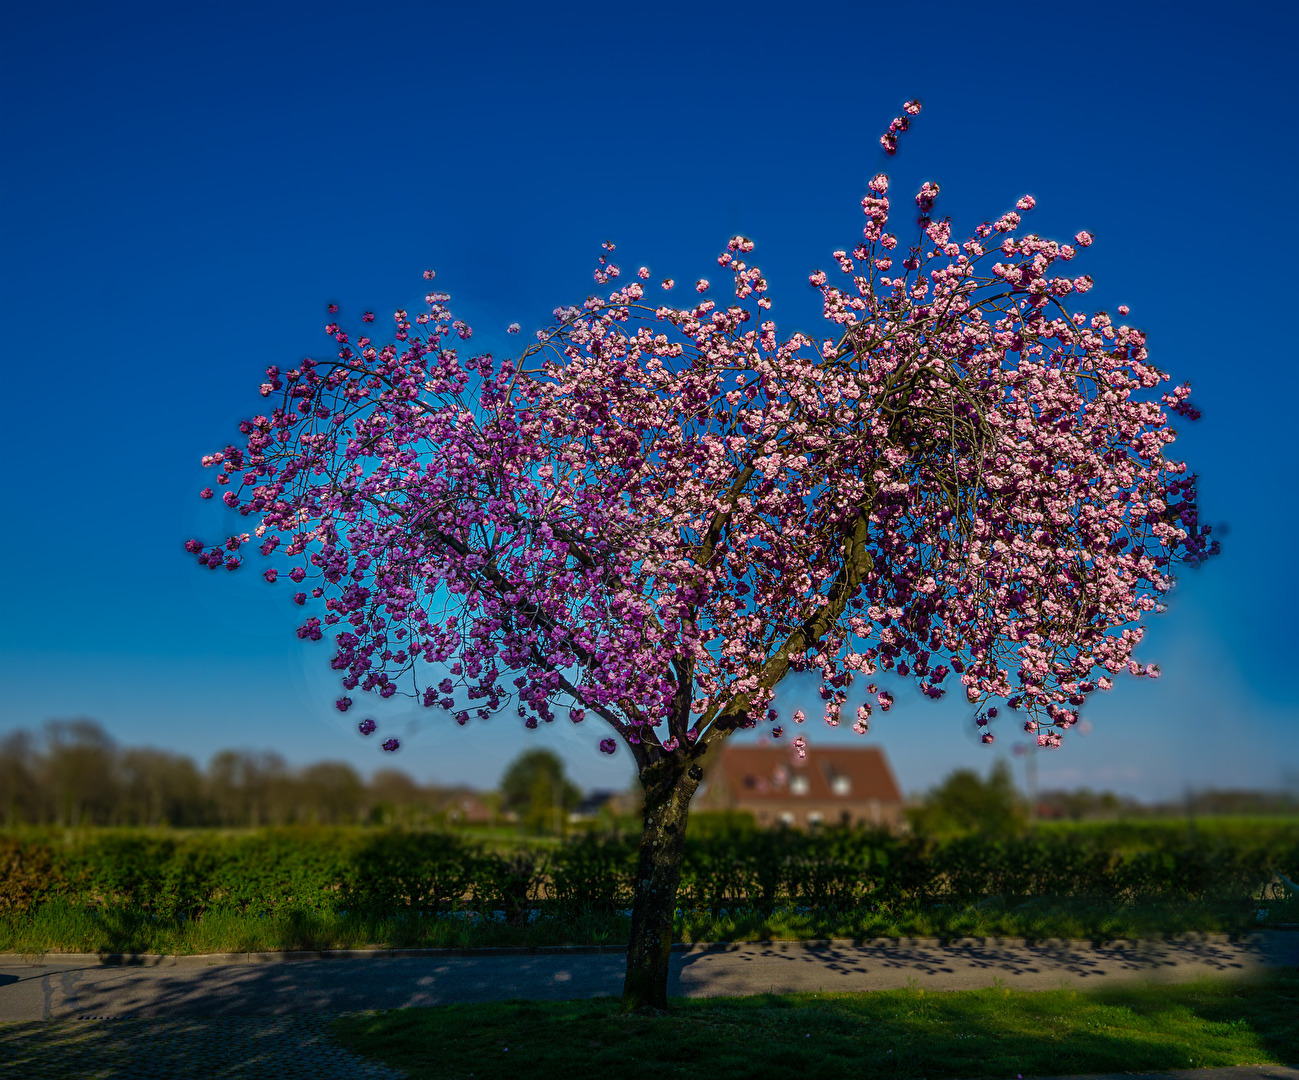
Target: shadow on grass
[[61, 926], [984, 1033]]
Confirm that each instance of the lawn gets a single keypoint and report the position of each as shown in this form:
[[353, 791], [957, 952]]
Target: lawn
[[994, 1032]]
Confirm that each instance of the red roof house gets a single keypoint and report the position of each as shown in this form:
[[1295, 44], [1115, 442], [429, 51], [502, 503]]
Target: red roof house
[[831, 784]]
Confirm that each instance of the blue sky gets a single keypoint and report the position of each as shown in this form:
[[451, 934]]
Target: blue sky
[[187, 185]]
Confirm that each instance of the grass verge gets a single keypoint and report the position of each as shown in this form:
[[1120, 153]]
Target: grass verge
[[60, 926], [897, 1033]]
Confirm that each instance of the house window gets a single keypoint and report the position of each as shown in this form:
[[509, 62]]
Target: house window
[[841, 785], [814, 818], [787, 817], [798, 785]]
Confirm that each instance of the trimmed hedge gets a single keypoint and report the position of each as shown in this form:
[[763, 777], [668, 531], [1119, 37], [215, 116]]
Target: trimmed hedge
[[727, 867]]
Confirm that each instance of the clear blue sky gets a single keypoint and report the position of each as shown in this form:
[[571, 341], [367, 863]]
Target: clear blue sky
[[185, 185]]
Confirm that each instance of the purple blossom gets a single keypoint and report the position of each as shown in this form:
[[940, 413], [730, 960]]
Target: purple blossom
[[517, 524]]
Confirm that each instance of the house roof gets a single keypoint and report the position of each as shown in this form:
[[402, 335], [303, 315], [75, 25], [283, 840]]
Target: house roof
[[765, 774]]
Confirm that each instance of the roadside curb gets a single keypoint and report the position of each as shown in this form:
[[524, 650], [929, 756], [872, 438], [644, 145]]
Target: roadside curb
[[299, 956]]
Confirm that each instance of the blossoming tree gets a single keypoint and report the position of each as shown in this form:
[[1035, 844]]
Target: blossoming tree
[[654, 513]]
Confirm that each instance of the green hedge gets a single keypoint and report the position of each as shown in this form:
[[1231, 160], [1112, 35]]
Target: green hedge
[[728, 866]]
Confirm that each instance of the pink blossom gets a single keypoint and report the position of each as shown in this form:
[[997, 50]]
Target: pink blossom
[[639, 516]]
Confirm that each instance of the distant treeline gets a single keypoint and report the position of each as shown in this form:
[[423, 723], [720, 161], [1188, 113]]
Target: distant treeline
[[74, 774], [1087, 805], [965, 802]]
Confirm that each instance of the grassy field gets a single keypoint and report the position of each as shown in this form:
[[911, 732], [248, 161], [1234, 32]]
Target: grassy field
[[63, 927], [905, 1033]]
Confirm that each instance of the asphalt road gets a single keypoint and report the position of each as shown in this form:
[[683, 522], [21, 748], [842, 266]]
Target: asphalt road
[[65, 987]]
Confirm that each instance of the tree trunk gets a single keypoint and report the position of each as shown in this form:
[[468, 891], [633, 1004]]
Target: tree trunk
[[669, 784]]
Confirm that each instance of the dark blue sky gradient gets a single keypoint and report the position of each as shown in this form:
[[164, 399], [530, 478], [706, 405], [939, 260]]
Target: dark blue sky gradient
[[186, 185]]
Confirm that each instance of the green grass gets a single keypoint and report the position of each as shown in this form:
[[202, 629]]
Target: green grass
[[897, 1033], [60, 926], [1044, 917]]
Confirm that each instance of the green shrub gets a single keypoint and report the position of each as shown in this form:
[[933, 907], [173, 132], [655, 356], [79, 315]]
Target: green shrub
[[729, 866]]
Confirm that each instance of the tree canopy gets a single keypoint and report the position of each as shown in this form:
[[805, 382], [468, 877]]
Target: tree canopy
[[654, 512]]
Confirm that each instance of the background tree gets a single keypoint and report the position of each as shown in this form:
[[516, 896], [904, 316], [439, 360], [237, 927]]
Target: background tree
[[250, 789], [393, 797], [534, 787], [654, 513], [161, 788], [331, 793], [21, 798], [80, 774], [964, 802]]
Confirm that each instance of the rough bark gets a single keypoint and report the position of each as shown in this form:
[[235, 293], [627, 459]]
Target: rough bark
[[669, 785]]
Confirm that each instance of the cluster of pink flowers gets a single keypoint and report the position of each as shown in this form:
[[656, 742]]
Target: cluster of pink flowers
[[655, 513]]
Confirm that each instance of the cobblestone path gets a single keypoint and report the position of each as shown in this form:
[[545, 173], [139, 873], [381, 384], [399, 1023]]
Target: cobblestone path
[[223, 1048]]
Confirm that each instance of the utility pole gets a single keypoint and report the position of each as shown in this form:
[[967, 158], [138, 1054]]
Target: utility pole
[[1030, 767], [1029, 752]]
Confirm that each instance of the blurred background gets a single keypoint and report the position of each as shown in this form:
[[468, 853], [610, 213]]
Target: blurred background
[[187, 186]]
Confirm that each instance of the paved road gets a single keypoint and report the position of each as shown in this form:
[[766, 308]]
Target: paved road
[[261, 1016], [269, 985], [297, 1047]]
